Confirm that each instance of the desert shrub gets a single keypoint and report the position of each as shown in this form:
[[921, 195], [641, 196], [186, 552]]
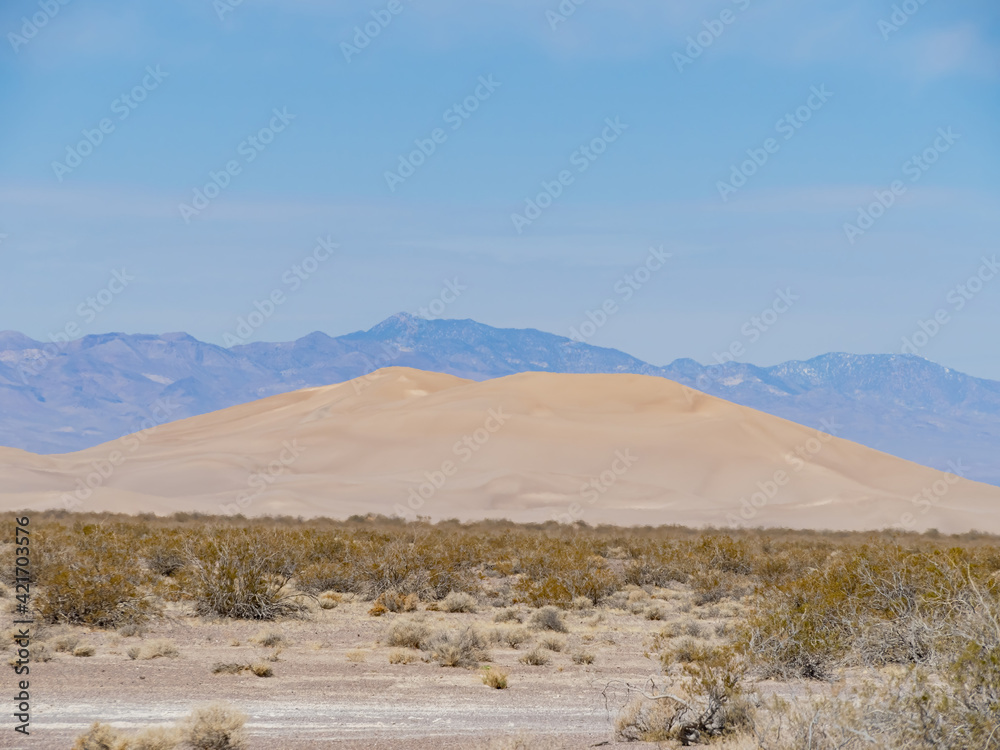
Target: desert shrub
[[582, 603], [243, 574], [155, 738], [511, 636], [458, 601], [84, 649], [65, 643], [262, 669], [95, 581], [915, 710], [269, 638], [327, 575], [406, 633], [535, 658], [401, 657], [655, 612], [583, 657], [548, 618], [713, 586], [229, 668], [100, 737], [166, 559], [642, 720], [552, 643], [495, 677], [617, 600], [511, 614], [393, 601], [154, 649], [463, 648], [874, 605], [702, 702], [357, 655], [686, 650], [329, 599], [216, 727]]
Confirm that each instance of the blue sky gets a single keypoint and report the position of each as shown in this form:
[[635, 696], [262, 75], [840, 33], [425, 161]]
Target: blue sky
[[832, 99]]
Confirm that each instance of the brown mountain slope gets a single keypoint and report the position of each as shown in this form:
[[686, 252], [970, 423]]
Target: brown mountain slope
[[623, 449]]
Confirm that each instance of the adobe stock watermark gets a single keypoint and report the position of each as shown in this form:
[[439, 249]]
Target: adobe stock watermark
[[915, 167], [250, 148], [582, 158], [786, 127], [758, 325], [122, 106], [594, 487], [224, 7], [455, 116], [562, 12], [293, 279], [435, 308], [957, 297], [260, 481], [769, 489], [122, 450], [31, 26], [901, 14], [363, 35], [463, 449], [625, 288], [88, 310], [923, 501], [714, 28]]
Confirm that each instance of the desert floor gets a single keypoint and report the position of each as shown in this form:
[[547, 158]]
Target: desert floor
[[333, 684]]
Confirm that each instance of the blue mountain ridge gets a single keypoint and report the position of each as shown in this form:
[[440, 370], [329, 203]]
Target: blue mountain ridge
[[56, 399]]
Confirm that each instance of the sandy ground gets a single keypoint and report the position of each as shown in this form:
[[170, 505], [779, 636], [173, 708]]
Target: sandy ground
[[622, 449], [333, 685]]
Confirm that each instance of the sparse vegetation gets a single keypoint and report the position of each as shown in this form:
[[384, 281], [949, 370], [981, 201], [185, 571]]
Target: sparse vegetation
[[461, 648], [262, 669], [393, 601], [329, 599], [511, 614], [216, 727], [99, 737], [459, 601], [918, 616], [269, 638], [406, 633], [509, 636], [552, 643], [583, 657], [535, 658], [495, 677], [401, 657], [154, 649], [548, 618]]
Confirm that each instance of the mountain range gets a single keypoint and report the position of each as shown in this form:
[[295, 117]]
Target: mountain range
[[68, 396]]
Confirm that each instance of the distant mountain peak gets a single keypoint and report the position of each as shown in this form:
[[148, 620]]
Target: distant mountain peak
[[102, 386]]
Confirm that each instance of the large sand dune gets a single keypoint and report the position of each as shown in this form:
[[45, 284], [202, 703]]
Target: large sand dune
[[622, 449]]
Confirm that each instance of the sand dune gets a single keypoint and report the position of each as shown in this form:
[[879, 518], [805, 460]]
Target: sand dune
[[623, 449]]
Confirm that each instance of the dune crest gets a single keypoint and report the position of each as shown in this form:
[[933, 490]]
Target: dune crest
[[622, 449]]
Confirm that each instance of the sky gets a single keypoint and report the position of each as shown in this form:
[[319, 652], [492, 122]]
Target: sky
[[761, 180]]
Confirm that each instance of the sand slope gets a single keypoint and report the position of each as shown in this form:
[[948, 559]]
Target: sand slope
[[624, 449]]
